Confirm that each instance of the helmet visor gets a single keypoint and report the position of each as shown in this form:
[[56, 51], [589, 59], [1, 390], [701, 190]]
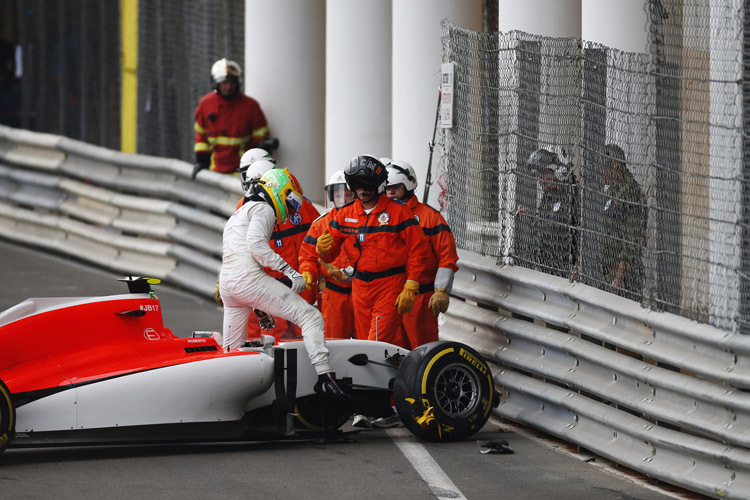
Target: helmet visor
[[338, 195], [360, 181], [293, 201], [243, 177]]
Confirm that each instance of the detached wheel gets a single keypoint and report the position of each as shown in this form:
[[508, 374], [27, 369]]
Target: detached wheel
[[317, 415], [444, 391], [7, 417]]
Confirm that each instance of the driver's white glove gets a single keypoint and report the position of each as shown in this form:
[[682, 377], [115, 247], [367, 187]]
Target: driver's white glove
[[298, 281]]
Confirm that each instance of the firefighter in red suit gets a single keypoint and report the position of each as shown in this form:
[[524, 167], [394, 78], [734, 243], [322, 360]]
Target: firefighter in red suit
[[227, 122], [388, 250], [286, 239], [335, 299], [436, 279]]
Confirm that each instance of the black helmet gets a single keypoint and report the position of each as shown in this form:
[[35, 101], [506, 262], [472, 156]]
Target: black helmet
[[366, 171]]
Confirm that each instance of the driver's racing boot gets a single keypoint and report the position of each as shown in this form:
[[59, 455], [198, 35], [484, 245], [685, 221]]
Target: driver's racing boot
[[326, 386]]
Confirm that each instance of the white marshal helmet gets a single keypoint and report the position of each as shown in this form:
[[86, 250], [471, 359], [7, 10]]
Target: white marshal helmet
[[253, 155], [250, 157], [255, 171], [336, 190], [336, 178], [223, 69], [400, 172]]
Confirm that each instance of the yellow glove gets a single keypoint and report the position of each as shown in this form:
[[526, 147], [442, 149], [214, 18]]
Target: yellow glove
[[439, 301], [405, 300], [309, 280], [324, 244], [217, 294], [333, 271]]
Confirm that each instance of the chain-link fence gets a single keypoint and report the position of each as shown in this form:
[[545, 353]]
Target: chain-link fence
[[623, 171], [178, 42], [69, 80]]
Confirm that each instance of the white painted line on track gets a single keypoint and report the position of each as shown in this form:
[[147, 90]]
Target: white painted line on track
[[438, 481]]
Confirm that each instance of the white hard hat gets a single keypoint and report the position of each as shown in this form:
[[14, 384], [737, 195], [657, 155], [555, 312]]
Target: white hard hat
[[337, 192], [385, 161], [336, 178], [544, 160], [400, 172], [255, 171], [224, 68], [251, 156]]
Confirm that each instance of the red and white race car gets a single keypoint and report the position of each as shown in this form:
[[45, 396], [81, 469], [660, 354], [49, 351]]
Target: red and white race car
[[106, 370]]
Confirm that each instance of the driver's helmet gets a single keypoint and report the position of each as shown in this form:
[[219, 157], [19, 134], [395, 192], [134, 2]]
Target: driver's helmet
[[400, 172], [255, 172], [366, 171], [278, 189], [295, 182]]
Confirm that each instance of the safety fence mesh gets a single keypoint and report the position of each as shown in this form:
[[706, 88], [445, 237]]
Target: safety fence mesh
[[178, 42], [68, 79], [642, 190]]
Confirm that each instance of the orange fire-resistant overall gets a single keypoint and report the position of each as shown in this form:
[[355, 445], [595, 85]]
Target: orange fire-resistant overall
[[335, 299], [420, 324], [388, 247]]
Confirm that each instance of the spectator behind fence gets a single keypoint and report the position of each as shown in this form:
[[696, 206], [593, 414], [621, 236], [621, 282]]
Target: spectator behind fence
[[554, 248], [227, 122], [624, 226]]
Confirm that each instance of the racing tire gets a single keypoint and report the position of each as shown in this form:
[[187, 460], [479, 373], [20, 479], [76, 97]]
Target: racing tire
[[317, 415], [7, 417], [444, 391]]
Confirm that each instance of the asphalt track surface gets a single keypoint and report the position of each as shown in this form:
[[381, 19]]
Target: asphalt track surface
[[370, 464]]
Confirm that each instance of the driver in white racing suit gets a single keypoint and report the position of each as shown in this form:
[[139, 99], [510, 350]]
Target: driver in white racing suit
[[244, 286]]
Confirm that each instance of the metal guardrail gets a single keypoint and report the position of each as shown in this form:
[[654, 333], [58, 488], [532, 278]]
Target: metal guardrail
[[135, 214], [656, 392]]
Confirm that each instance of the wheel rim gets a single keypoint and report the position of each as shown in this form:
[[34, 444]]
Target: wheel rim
[[456, 390]]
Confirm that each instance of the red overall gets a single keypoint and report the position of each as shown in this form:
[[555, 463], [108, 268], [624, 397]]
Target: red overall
[[227, 128]]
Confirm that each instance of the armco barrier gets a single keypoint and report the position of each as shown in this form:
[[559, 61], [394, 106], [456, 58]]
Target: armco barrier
[[655, 392], [134, 214]]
